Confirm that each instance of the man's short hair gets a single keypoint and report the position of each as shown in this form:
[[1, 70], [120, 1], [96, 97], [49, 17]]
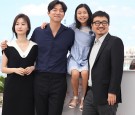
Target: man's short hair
[[55, 2]]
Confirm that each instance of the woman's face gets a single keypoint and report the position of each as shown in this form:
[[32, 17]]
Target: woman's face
[[82, 16], [21, 26]]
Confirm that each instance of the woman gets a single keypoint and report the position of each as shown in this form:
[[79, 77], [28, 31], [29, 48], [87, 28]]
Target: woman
[[18, 63]]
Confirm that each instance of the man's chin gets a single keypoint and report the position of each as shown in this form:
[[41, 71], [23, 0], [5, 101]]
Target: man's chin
[[101, 34]]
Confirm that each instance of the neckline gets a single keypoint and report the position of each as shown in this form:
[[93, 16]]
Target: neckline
[[20, 48], [21, 53]]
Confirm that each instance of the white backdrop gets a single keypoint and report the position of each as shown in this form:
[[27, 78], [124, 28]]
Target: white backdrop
[[127, 107]]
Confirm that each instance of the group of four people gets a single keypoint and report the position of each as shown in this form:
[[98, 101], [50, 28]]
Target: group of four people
[[37, 68]]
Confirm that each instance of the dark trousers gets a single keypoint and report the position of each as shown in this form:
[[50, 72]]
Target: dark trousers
[[91, 109], [50, 92]]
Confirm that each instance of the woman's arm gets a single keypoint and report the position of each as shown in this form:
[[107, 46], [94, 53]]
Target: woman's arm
[[5, 69]]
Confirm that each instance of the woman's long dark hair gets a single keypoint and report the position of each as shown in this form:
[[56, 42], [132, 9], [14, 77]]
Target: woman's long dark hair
[[78, 24]]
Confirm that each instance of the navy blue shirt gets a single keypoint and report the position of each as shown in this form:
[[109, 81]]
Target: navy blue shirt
[[52, 51]]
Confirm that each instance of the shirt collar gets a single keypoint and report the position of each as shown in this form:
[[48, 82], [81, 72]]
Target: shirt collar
[[62, 27], [101, 39]]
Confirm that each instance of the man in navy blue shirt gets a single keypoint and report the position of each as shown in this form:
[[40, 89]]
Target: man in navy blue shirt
[[54, 42]]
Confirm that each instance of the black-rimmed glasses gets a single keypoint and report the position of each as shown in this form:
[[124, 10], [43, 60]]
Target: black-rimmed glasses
[[97, 23]]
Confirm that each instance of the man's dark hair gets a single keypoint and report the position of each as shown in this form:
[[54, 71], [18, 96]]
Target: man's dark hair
[[55, 2], [101, 14]]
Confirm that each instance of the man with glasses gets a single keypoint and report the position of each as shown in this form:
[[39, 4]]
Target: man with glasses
[[106, 68]]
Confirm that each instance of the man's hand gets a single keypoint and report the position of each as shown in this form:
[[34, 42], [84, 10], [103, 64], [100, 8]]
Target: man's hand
[[4, 44], [43, 25], [111, 99]]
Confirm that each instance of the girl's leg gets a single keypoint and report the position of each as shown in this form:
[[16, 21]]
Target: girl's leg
[[84, 75], [75, 74], [75, 84]]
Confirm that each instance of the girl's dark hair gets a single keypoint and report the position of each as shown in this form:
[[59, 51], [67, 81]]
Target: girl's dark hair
[[26, 18], [78, 24], [55, 2]]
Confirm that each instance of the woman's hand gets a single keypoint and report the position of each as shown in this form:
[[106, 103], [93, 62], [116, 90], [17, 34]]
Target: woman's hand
[[20, 71], [28, 70]]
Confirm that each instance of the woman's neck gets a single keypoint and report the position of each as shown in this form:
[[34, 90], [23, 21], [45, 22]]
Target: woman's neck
[[22, 39]]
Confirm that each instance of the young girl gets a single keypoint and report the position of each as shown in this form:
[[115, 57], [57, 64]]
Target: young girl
[[18, 63], [78, 58]]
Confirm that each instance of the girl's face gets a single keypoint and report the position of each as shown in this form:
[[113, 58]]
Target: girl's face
[[21, 27], [82, 16]]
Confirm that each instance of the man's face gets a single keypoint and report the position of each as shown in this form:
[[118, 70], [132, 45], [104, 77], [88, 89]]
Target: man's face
[[100, 26], [56, 14]]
